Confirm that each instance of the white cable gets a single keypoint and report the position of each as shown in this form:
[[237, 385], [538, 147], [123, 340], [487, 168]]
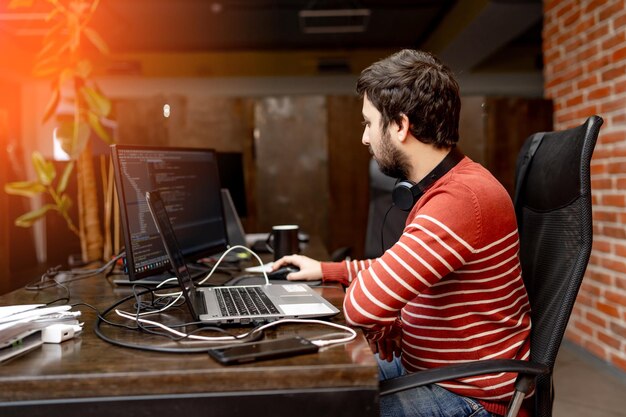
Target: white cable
[[178, 295], [173, 331], [320, 343], [267, 281], [175, 294]]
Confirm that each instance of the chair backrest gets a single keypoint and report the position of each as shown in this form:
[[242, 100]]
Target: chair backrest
[[553, 205], [384, 222]]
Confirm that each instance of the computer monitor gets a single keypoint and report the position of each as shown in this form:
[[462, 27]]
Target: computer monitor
[[188, 180], [230, 165]]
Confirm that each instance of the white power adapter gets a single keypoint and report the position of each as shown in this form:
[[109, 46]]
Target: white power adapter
[[57, 333]]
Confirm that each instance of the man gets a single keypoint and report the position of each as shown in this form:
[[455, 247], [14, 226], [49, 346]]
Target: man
[[450, 290]]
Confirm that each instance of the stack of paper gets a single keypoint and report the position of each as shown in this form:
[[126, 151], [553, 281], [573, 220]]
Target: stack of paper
[[21, 326]]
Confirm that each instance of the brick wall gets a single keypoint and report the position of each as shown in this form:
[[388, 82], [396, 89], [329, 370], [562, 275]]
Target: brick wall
[[584, 46]]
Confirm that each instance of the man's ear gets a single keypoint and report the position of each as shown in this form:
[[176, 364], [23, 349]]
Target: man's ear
[[402, 128]]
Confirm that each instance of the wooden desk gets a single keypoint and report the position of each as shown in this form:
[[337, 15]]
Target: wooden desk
[[87, 376]]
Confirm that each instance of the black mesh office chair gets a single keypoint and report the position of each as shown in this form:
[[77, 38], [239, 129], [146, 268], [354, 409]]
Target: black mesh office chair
[[553, 205]]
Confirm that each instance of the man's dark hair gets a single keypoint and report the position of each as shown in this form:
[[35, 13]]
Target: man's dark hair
[[416, 84]]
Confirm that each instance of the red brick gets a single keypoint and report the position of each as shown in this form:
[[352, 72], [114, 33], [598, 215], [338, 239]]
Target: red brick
[[574, 101], [588, 81], [616, 232], [603, 184], [597, 169], [616, 168], [565, 9], [583, 327], [585, 23], [614, 265], [612, 9], [620, 282], [601, 246], [618, 361], [601, 30], [620, 184], [596, 319], [608, 339], [607, 309], [571, 19], [596, 64], [615, 40], [563, 65], [600, 92], [612, 137], [619, 87], [618, 119], [600, 277], [620, 250], [619, 329], [594, 5], [612, 105], [612, 73], [619, 21], [588, 288], [615, 297], [619, 54]]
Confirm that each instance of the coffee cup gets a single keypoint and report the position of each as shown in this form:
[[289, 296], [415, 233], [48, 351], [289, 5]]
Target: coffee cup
[[283, 240]]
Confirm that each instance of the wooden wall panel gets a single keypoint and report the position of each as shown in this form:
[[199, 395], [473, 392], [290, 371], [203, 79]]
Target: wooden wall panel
[[509, 122], [348, 161], [292, 163]]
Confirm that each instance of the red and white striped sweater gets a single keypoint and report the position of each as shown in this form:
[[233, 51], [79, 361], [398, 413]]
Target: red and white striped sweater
[[454, 279]]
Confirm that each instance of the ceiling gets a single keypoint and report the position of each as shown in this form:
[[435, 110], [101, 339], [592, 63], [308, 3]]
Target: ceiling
[[469, 35]]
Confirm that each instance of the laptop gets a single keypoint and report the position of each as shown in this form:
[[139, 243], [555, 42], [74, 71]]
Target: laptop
[[235, 304], [234, 228]]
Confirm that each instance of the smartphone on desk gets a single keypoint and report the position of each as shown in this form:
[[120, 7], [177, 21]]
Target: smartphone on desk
[[267, 349]]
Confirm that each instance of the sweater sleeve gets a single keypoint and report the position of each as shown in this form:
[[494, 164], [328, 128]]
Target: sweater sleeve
[[438, 239], [344, 271]]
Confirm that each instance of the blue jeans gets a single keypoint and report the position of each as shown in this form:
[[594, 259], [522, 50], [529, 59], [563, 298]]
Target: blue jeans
[[427, 401]]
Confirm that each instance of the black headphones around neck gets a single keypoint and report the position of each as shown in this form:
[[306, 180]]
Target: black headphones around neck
[[406, 193]]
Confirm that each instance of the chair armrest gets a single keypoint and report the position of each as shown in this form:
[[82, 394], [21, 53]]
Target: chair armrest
[[446, 373]]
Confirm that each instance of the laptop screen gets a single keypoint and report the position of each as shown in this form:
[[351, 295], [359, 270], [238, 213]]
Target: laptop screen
[[168, 237], [189, 184]]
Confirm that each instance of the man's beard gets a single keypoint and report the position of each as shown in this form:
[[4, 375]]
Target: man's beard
[[391, 161]]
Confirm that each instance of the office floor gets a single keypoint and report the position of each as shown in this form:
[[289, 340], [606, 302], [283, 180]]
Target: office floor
[[585, 387]]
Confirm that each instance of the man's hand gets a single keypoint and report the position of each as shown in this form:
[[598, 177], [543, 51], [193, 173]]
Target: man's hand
[[310, 269], [388, 346]]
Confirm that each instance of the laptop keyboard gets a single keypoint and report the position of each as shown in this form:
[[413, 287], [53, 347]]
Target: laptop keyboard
[[244, 301]]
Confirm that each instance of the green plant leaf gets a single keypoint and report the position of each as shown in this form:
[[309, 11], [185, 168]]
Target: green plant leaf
[[94, 122], [65, 177], [97, 103], [47, 67], [52, 104], [45, 170], [14, 4], [24, 188], [65, 204], [27, 219], [84, 68], [65, 135], [97, 40]]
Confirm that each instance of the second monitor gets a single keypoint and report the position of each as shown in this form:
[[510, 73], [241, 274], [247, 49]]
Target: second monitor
[[189, 182]]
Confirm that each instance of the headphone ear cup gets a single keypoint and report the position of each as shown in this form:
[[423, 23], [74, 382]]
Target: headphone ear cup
[[402, 195]]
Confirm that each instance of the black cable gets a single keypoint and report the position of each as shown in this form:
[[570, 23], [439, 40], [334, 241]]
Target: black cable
[[252, 335], [382, 230]]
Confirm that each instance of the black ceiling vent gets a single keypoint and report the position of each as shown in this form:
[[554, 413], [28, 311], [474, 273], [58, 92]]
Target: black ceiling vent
[[333, 21]]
